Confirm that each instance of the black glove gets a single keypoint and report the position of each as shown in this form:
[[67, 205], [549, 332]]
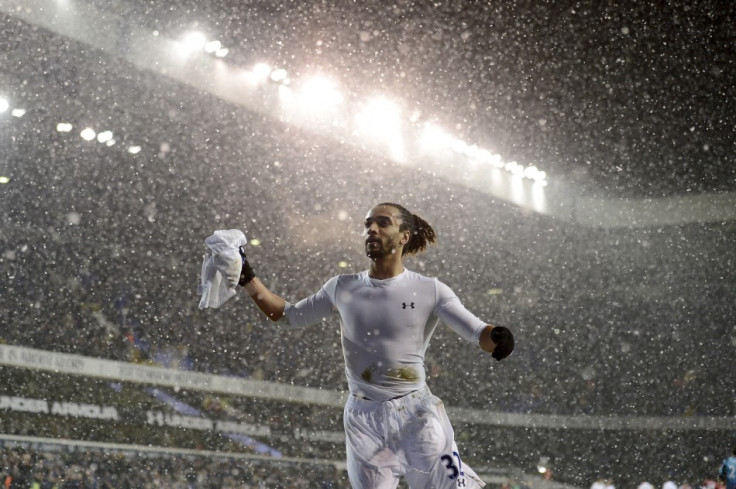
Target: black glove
[[246, 272], [504, 340]]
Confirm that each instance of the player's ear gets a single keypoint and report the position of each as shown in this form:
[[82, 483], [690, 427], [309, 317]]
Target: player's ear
[[406, 237]]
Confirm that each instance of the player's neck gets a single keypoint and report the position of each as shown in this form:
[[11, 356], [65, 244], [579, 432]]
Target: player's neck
[[387, 267]]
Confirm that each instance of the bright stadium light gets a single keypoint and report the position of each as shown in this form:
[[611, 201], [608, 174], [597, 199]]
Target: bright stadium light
[[134, 150], [88, 134], [4, 104], [539, 197], [104, 137], [195, 41], [543, 465], [64, 127], [279, 75], [379, 116], [434, 137], [492, 159], [212, 47], [18, 112], [262, 70], [319, 91], [380, 120]]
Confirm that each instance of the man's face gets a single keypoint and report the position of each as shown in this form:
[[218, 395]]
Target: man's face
[[381, 232]]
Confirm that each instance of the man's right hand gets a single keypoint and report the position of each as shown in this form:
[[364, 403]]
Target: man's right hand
[[246, 272]]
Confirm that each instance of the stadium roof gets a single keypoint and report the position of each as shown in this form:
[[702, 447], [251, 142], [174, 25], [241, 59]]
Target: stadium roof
[[628, 109]]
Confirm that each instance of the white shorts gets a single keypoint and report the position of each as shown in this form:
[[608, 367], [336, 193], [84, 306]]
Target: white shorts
[[410, 436]]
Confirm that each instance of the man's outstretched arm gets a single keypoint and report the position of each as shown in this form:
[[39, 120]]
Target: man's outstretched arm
[[271, 304]]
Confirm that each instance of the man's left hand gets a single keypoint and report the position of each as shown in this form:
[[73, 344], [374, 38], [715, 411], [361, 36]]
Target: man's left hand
[[504, 340]]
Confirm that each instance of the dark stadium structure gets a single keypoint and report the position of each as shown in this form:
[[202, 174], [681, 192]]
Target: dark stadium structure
[[586, 199]]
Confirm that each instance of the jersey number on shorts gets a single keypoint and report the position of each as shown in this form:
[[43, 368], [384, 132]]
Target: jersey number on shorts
[[453, 470]]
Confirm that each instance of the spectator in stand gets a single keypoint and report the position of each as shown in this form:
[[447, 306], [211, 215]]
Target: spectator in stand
[[727, 473]]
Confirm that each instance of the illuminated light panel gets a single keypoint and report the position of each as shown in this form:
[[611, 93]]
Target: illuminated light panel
[[320, 92], [279, 75], [134, 150], [18, 112], [380, 119], [88, 134], [105, 136], [342, 264], [255, 242], [539, 199], [515, 169], [4, 180], [458, 146], [222, 52], [195, 41], [518, 195], [64, 127], [4, 105], [380, 116], [262, 70], [212, 47], [493, 159], [433, 136], [472, 151]]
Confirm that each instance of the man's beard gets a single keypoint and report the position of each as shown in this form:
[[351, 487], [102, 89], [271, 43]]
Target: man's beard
[[375, 252]]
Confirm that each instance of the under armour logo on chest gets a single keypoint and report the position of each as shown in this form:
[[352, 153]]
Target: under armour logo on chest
[[404, 305]]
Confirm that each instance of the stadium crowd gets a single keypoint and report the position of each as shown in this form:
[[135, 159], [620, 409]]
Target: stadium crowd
[[109, 268], [27, 468], [104, 261]]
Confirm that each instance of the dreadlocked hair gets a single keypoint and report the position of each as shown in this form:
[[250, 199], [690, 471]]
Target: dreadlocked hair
[[421, 233]]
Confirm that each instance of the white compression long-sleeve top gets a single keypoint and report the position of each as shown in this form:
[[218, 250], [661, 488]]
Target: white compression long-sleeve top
[[386, 327]]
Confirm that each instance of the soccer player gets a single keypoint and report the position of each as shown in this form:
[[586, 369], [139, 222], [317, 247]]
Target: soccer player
[[394, 426]]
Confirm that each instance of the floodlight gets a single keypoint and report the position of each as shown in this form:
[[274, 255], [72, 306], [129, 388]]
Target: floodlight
[[433, 137], [379, 116], [261, 70], [104, 136], [4, 104], [88, 134], [380, 120], [320, 91], [212, 47], [195, 41], [543, 465], [279, 75]]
